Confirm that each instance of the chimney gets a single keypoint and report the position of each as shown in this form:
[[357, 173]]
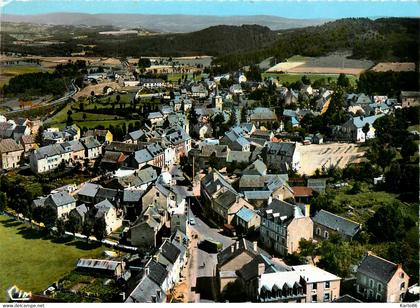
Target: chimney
[[232, 248], [270, 199], [296, 212], [307, 210], [147, 271], [255, 246], [261, 269], [237, 198], [237, 245]]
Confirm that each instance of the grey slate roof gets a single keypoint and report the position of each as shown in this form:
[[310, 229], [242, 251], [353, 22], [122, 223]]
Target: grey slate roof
[[250, 270], [157, 272], [337, 223], [144, 292], [226, 199], [90, 142], [89, 190], [76, 145], [132, 195], [244, 245], [170, 251], [220, 150], [59, 199], [135, 135], [282, 148], [9, 145], [278, 209], [126, 148], [155, 149], [238, 156], [103, 208], [346, 299], [212, 180], [256, 168], [143, 176], [142, 156], [245, 214], [81, 210], [269, 182], [107, 193], [377, 268], [49, 151], [360, 122]]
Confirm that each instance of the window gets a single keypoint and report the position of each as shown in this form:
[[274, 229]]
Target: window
[[401, 275], [370, 283], [157, 194], [326, 235], [314, 298], [402, 286], [378, 297], [314, 286], [327, 285], [379, 287], [318, 231], [326, 297]]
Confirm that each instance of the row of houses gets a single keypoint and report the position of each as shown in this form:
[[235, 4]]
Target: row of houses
[[50, 157], [263, 278]]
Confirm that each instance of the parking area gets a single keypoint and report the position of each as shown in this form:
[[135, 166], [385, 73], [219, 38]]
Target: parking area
[[316, 156]]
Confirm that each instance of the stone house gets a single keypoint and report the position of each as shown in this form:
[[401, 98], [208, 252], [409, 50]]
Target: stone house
[[320, 286], [326, 224], [283, 225], [11, 154], [380, 280]]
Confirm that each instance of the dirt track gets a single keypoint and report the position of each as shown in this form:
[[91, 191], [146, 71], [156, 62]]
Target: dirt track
[[316, 156]]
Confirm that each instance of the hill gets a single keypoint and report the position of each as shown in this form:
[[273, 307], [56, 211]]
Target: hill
[[384, 39], [215, 41], [161, 23]]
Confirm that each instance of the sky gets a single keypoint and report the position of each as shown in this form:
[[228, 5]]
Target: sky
[[305, 9]]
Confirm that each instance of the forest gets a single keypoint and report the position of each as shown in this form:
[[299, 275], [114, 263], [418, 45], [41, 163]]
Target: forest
[[383, 39]]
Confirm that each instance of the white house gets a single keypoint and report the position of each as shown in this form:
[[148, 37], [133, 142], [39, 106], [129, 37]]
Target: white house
[[108, 212], [93, 147], [49, 157], [353, 128], [62, 202]]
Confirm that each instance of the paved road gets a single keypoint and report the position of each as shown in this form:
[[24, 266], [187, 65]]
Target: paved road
[[203, 264], [73, 91]]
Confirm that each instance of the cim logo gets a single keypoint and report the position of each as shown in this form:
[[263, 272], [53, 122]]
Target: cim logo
[[16, 294]]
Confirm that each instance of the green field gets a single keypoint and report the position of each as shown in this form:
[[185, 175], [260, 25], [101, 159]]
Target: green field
[[176, 76], [414, 127], [31, 261], [365, 203], [290, 78], [93, 124], [60, 118], [7, 72]]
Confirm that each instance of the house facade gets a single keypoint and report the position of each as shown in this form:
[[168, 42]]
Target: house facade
[[379, 280], [11, 154], [326, 224], [283, 225]]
